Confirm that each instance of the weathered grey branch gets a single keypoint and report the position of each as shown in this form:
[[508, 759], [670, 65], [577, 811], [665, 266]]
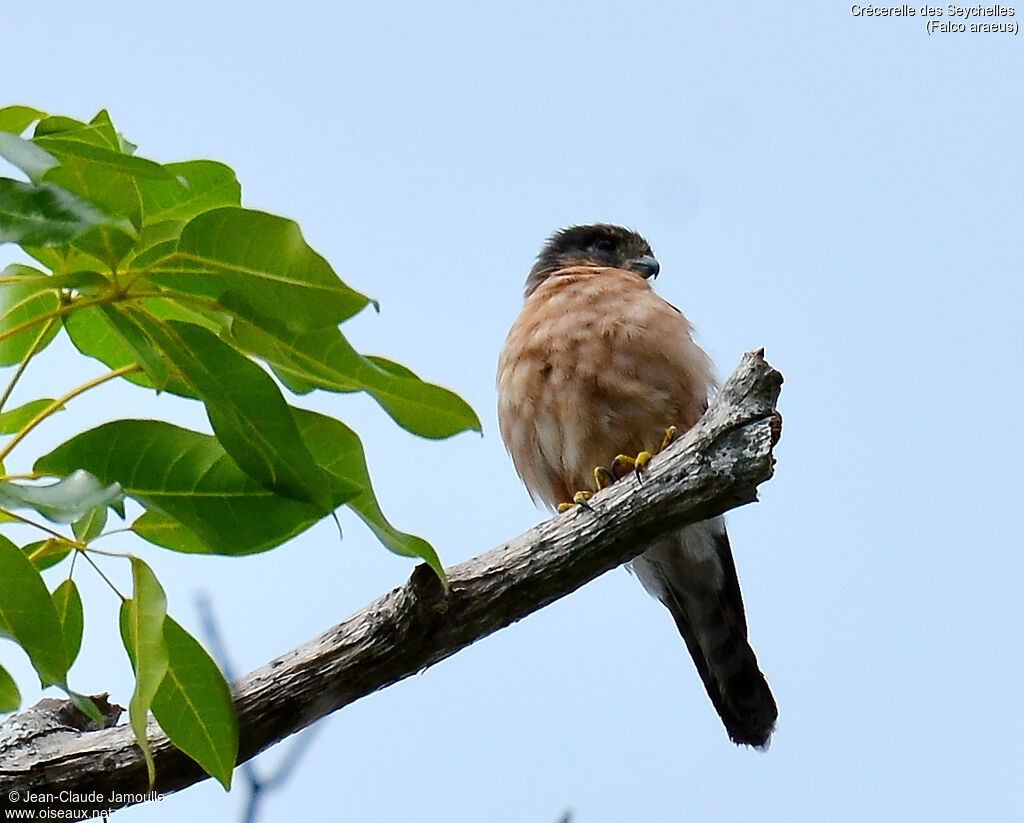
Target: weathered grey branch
[[716, 466]]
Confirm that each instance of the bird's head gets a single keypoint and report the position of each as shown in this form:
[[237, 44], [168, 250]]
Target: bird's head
[[599, 244]]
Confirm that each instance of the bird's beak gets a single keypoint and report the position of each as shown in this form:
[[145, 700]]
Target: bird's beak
[[645, 266]]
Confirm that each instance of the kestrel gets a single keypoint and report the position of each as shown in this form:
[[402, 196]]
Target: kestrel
[[597, 367]]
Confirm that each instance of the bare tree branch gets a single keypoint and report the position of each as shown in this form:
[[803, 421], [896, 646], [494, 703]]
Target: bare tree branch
[[716, 466]]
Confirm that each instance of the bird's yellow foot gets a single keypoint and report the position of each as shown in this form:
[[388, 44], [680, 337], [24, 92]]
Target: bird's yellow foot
[[578, 499], [623, 463], [670, 435], [603, 477]]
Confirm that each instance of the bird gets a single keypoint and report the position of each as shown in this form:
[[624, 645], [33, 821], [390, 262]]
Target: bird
[[597, 373]]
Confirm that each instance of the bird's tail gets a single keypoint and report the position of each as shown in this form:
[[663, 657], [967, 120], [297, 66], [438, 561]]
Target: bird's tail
[[727, 665], [696, 580]]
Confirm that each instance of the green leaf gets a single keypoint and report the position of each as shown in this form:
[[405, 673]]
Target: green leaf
[[91, 525], [64, 258], [93, 166], [188, 477], [26, 302], [391, 367], [106, 243], [163, 530], [65, 501], [142, 632], [156, 241], [46, 553], [28, 614], [83, 281], [68, 604], [26, 155], [245, 257], [138, 343], [13, 420], [105, 178], [193, 705], [51, 258], [10, 697], [85, 705], [46, 215], [159, 232], [102, 126], [196, 186], [16, 119], [326, 360], [100, 157], [93, 334], [70, 129], [158, 252], [340, 453], [246, 409], [171, 308]]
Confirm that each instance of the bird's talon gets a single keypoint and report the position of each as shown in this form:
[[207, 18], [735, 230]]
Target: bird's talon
[[578, 499], [603, 478], [670, 435], [581, 498], [622, 465], [640, 463]]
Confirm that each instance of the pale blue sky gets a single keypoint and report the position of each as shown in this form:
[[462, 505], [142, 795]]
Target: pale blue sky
[[846, 192]]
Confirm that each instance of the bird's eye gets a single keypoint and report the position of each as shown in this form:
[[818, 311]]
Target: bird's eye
[[604, 244]]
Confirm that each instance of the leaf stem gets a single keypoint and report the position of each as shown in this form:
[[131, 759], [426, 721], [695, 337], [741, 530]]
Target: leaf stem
[[18, 278], [63, 311], [107, 533], [33, 349], [99, 571], [61, 401], [40, 526], [123, 555], [113, 297]]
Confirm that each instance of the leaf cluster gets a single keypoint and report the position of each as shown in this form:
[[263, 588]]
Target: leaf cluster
[[158, 272]]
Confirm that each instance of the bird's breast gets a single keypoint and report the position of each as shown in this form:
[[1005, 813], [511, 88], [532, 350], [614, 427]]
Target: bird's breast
[[595, 365]]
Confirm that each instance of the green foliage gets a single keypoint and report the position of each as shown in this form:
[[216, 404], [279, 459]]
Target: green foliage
[[29, 617], [10, 697], [193, 705], [142, 632], [197, 498], [67, 501], [12, 421], [68, 604], [347, 469], [28, 312], [49, 552], [256, 264], [158, 272], [47, 215]]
